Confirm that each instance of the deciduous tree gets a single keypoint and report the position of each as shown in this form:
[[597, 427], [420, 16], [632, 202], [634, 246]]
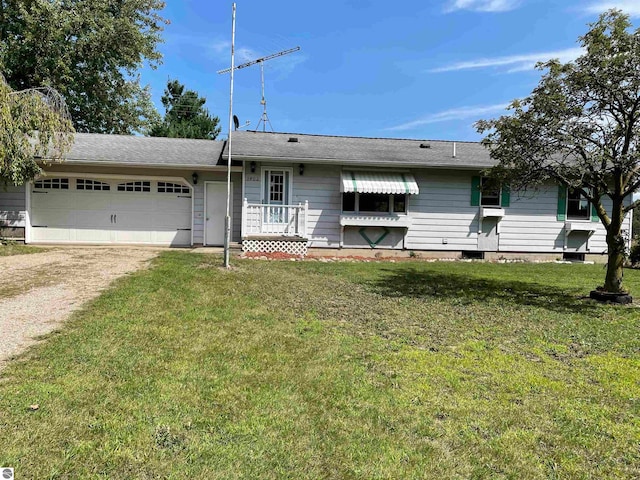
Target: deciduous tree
[[580, 127], [34, 124], [88, 50]]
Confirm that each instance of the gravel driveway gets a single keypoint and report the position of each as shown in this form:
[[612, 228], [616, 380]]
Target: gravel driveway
[[40, 290]]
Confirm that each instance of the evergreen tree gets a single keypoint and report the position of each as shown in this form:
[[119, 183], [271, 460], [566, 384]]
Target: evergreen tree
[[185, 116]]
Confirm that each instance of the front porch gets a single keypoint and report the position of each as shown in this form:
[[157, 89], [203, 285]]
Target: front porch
[[274, 228]]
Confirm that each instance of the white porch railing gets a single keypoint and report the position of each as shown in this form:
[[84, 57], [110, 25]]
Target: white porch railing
[[274, 220]]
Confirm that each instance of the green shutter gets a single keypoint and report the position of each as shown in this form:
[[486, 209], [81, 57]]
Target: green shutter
[[475, 191], [562, 203], [594, 214], [506, 196]]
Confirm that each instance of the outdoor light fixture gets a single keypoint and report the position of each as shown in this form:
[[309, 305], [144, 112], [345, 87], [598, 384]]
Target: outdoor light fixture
[[194, 177], [301, 168], [252, 166]]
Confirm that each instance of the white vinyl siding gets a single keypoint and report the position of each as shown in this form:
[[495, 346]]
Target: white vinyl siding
[[530, 225], [12, 206], [320, 185], [442, 215]]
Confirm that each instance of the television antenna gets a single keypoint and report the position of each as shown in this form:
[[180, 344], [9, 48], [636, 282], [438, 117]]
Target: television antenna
[[264, 119]]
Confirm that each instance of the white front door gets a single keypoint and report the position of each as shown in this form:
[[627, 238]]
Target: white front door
[[276, 184], [215, 211]]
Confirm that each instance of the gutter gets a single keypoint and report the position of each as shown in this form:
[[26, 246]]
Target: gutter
[[449, 166], [172, 166]]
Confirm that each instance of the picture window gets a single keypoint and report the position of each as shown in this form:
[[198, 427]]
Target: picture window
[[374, 203]]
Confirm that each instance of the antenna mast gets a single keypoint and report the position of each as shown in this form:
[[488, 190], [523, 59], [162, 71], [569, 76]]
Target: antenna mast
[[264, 119]]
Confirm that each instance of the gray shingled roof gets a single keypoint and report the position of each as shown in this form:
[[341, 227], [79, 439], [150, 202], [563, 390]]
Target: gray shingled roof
[[249, 145], [127, 150]]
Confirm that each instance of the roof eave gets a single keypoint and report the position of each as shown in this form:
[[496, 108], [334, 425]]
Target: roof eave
[[345, 161], [107, 163]]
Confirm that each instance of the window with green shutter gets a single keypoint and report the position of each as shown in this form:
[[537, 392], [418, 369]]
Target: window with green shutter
[[562, 203], [506, 196], [485, 195], [572, 205], [475, 191]]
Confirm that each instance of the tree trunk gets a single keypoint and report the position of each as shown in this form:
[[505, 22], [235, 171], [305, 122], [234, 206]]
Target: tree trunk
[[615, 262]]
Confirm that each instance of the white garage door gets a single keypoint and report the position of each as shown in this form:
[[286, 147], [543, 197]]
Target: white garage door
[[98, 210]]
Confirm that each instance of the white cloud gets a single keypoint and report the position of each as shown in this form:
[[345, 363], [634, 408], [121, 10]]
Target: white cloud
[[482, 5], [221, 46], [222, 50], [516, 62], [461, 113], [632, 7]]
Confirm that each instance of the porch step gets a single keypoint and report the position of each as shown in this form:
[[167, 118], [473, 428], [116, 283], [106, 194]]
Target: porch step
[[276, 238]]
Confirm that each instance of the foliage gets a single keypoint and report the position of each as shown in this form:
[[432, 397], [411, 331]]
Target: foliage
[[34, 124], [88, 50], [332, 370], [185, 115], [580, 127]]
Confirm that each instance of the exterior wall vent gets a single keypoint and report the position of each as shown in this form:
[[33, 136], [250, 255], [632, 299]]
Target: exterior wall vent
[[573, 257], [425, 145], [293, 140], [472, 255]]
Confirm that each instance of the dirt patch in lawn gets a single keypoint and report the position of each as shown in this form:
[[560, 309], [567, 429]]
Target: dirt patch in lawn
[[40, 291]]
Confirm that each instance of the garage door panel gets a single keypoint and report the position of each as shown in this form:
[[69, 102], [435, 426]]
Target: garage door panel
[[133, 220], [181, 237], [93, 219], [141, 202], [51, 217], [53, 200], [51, 234], [133, 236], [93, 200], [173, 204], [166, 221], [93, 235]]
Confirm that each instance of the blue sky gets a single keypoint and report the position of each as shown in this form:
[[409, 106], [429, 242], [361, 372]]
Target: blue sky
[[412, 69]]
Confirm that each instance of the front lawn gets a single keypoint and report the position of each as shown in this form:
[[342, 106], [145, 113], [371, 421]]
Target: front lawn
[[333, 370]]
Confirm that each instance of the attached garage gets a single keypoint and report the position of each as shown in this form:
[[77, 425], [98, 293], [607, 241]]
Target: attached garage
[[80, 208]]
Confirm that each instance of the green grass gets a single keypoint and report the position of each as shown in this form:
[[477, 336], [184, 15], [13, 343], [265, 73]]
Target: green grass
[[16, 249], [340, 370]]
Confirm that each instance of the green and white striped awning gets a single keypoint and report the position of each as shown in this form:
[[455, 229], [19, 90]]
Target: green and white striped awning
[[379, 182]]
